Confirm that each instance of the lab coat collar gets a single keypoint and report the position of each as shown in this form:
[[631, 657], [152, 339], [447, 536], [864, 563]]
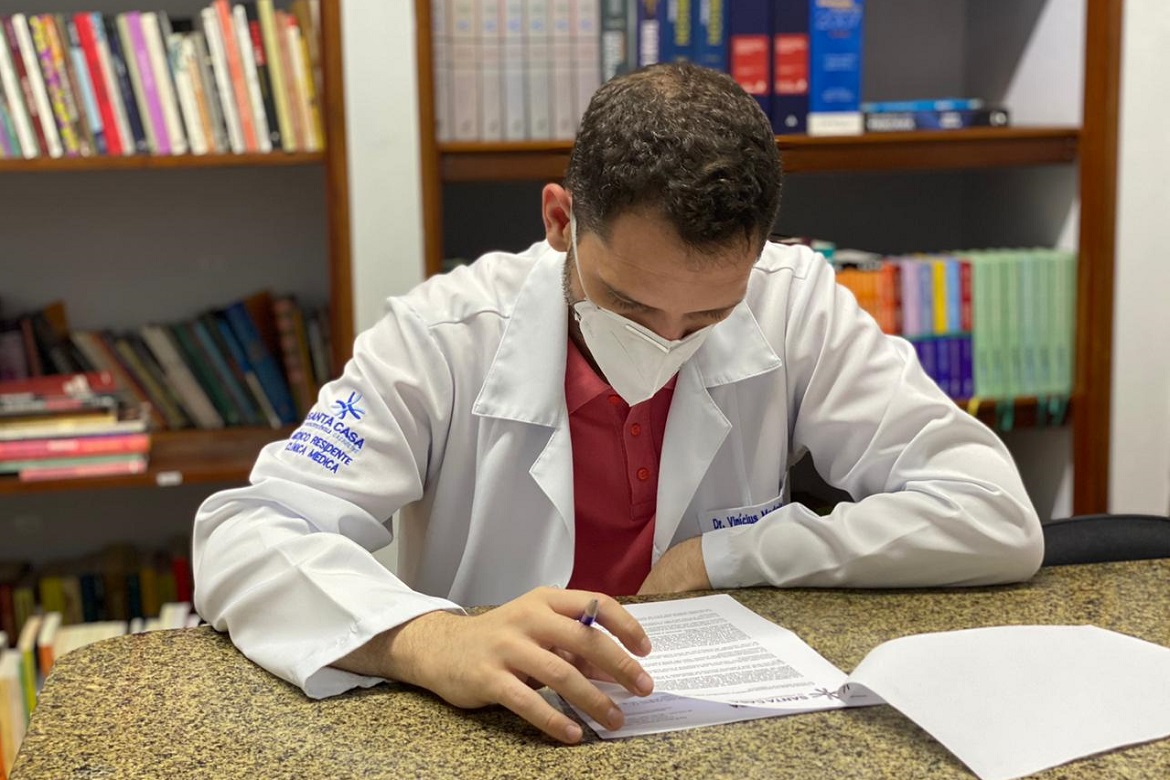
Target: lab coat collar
[[526, 381]]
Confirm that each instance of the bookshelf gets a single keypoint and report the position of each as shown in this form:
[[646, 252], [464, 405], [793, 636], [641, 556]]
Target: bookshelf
[[1090, 149], [210, 456]]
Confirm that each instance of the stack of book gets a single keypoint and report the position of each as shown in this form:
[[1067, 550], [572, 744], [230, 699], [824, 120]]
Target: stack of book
[[986, 324], [258, 361], [235, 78], [525, 69], [69, 426]]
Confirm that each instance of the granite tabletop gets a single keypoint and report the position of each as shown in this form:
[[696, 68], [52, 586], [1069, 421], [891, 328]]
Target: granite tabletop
[[186, 704]]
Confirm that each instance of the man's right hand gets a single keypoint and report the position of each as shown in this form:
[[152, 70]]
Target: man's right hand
[[501, 656]]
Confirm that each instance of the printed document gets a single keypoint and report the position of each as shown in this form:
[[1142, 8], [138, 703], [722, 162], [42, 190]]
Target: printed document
[[1007, 701]]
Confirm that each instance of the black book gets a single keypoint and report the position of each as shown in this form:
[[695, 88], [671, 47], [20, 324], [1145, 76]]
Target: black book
[[262, 74]]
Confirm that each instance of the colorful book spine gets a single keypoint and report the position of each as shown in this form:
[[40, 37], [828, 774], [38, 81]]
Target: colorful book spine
[[710, 34], [491, 79], [515, 117], [750, 36], [651, 21], [940, 104], [262, 361], [264, 74], [790, 67], [150, 85], [616, 53], [120, 69], [835, 39], [19, 109], [75, 446], [562, 116], [537, 69], [268, 32], [908, 121], [54, 86], [71, 92], [251, 78], [89, 99], [586, 55], [235, 67], [83, 25], [33, 85]]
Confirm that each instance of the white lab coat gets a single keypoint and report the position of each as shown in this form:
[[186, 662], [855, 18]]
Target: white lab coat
[[463, 430]]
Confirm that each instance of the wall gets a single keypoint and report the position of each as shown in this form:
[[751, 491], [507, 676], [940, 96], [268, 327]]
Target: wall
[[1139, 445]]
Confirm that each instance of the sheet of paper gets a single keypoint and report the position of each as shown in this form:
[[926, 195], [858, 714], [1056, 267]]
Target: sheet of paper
[[715, 661], [1012, 700]]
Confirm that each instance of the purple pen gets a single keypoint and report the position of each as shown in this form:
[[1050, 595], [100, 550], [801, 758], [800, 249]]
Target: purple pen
[[590, 614]]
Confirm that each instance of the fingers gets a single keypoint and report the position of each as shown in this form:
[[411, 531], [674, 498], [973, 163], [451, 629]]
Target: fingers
[[594, 648], [532, 707], [564, 678], [610, 614]]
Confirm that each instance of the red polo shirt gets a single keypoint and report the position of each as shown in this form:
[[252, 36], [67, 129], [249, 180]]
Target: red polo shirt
[[616, 451]]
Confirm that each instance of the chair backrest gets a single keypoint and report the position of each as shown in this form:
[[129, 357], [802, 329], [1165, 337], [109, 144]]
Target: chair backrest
[[1104, 538]]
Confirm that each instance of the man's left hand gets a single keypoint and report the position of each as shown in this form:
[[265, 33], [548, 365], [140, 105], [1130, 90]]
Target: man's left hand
[[681, 569]]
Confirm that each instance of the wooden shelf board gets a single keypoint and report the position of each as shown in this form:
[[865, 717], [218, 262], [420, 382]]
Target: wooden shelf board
[[989, 147], [176, 457], [154, 162], [1026, 413]]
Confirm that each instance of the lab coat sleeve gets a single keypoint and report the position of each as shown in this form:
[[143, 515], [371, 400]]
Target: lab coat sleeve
[[937, 497], [285, 564]]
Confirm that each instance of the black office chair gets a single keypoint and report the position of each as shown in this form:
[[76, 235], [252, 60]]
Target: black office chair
[[1104, 538]]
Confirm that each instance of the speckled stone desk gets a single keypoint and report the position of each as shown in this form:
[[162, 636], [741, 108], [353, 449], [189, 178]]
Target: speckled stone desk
[[186, 704]]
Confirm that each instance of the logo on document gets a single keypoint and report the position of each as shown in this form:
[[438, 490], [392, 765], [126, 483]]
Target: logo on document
[[350, 407]]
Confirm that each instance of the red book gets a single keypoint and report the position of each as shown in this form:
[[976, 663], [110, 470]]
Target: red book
[[129, 466], [84, 23], [32, 449], [90, 383], [231, 48]]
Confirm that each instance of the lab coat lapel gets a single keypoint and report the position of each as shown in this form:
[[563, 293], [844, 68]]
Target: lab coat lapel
[[526, 381], [696, 427]]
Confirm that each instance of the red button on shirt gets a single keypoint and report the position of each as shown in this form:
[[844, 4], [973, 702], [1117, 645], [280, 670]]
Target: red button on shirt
[[615, 499]]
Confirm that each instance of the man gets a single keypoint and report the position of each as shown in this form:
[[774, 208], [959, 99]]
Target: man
[[614, 410]]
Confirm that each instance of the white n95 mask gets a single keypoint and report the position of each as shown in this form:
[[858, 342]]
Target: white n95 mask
[[636, 361]]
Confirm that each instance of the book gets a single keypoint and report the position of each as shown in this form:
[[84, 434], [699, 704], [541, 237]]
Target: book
[[251, 77], [154, 37], [935, 104], [586, 55], [18, 107], [265, 75], [74, 446], [651, 17], [247, 330], [514, 99], [537, 70], [465, 80], [562, 111], [835, 39], [957, 119], [490, 52], [749, 28], [162, 345], [82, 26], [790, 67], [120, 60], [21, 33], [618, 38], [86, 87], [710, 34], [235, 69], [217, 57], [181, 56]]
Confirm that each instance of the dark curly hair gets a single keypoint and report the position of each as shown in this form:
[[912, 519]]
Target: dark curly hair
[[681, 141]]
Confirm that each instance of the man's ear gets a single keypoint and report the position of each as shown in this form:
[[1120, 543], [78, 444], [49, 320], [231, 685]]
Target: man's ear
[[555, 203]]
